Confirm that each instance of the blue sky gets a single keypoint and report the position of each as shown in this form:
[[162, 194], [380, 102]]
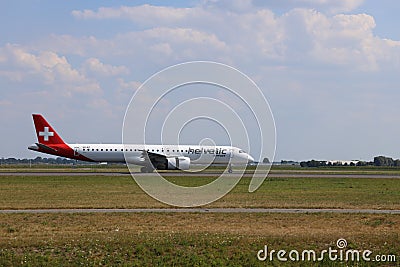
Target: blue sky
[[329, 69]]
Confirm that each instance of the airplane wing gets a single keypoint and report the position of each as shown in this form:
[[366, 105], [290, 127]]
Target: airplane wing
[[153, 159], [163, 162]]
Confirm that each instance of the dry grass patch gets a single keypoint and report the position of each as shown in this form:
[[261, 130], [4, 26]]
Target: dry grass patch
[[143, 239], [22, 226]]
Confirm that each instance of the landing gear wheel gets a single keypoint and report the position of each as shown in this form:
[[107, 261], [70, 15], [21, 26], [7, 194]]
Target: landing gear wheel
[[230, 168]]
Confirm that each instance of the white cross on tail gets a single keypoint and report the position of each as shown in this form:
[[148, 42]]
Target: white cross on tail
[[46, 133]]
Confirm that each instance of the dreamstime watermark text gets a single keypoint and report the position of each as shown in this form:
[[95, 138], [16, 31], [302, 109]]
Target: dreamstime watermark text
[[338, 253]]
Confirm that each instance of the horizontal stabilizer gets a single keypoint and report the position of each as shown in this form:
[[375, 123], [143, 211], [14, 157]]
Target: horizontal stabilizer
[[46, 148]]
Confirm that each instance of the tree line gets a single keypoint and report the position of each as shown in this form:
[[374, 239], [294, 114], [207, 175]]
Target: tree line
[[40, 160], [379, 161]]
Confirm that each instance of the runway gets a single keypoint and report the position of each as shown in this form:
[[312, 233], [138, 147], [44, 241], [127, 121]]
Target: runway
[[205, 174], [203, 210]]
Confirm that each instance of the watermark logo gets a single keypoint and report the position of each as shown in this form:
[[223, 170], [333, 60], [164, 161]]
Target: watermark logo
[[338, 253], [193, 98], [341, 243]]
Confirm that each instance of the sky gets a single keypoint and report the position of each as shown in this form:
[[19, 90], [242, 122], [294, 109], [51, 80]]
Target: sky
[[328, 68]]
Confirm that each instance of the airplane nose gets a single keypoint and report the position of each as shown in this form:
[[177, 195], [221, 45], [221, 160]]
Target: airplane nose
[[250, 159]]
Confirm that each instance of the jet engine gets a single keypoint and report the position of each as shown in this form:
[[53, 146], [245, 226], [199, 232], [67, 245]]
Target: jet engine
[[178, 163]]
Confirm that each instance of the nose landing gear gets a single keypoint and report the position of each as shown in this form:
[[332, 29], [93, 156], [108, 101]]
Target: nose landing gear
[[230, 168]]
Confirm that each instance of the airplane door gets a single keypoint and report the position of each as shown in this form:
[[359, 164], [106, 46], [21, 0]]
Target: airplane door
[[76, 149]]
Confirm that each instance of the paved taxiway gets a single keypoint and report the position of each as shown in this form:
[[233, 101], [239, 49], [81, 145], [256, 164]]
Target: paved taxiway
[[202, 174], [202, 210]]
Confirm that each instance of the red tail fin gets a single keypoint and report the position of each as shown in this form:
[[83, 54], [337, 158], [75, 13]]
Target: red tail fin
[[44, 132]]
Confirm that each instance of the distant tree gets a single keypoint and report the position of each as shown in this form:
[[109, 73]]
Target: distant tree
[[40, 160], [313, 163], [362, 163], [379, 161], [383, 161], [289, 162]]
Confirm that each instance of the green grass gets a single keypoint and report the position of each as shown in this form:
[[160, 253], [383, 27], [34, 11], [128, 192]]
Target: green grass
[[18, 192], [318, 193]]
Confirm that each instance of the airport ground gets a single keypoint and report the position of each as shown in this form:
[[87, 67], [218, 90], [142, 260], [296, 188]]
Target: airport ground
[[193, 238]]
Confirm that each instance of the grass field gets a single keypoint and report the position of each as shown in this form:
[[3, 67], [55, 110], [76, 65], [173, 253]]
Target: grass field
[[21, 192], [192, 239]]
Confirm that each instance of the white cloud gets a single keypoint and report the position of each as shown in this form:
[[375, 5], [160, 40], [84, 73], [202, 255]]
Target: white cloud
[[330, 6], [158, 44], [208, 31], [144, 14], [46, 82], [50, 68], [344, 40], [94, 65], [334, 6], [186, 37]]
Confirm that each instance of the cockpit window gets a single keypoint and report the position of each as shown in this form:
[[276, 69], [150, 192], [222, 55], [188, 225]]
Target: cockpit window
[[242, 151]]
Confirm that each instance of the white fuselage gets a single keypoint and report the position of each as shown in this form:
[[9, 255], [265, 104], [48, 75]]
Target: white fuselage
[[134, 153]]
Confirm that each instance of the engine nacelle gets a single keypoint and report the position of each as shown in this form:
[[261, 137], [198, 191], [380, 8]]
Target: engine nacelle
[[178, 163]]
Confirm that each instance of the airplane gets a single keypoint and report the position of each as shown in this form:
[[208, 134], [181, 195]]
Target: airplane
[[150, 157]]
